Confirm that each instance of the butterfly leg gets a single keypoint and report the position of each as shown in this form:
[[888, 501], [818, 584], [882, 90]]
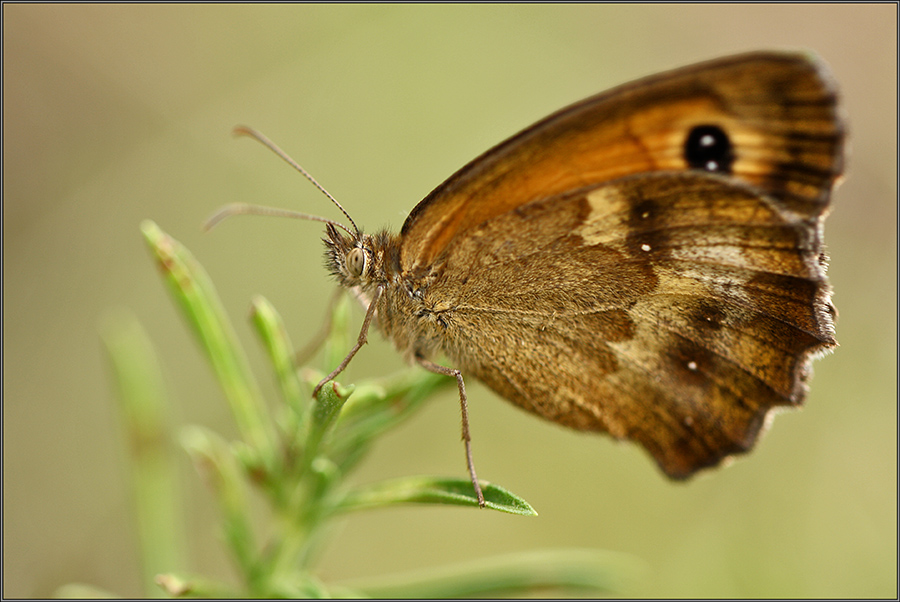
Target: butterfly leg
[[464, 408], [360, 341]]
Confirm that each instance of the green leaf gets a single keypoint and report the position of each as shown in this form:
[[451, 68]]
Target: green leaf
[[217, 463], [271, 329], [197, 296], [433, 490], [534, 573], [325, 409], [378, 406], [328, 404], [144, 412], [278, 345]]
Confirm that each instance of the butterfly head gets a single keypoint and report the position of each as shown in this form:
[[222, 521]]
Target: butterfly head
[[351, 259], [360, 259]]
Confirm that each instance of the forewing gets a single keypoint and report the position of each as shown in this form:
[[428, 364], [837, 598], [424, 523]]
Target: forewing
[[779, 111]]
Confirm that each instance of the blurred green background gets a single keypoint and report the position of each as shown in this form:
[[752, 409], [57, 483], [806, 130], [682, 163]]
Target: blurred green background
[[114, 114]]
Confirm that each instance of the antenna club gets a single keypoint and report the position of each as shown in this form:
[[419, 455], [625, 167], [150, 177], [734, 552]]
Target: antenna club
[[213, 220]]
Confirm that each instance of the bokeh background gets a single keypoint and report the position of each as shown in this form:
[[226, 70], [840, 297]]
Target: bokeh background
[[115, 114]]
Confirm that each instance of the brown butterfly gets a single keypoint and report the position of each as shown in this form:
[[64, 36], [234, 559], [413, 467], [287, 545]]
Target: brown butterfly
[[648, 262]]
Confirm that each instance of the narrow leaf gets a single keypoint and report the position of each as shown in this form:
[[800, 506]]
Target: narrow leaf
[[533, 573], [271, 329], [216, 462], [197, 296], [433, 490], [144, 413]]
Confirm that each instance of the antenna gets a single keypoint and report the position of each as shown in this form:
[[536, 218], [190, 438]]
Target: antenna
[[246, 209], [243, 130]]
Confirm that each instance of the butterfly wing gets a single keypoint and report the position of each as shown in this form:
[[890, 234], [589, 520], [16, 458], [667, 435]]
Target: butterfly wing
[[590, 271], [779, 111]]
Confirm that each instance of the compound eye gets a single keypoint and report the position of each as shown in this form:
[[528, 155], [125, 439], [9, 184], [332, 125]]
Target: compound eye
[[356, 262]]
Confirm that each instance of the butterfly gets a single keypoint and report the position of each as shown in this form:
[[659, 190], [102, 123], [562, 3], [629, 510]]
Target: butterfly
[[648, 262]]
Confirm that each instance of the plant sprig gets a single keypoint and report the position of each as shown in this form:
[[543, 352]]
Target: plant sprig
[[298, 455]]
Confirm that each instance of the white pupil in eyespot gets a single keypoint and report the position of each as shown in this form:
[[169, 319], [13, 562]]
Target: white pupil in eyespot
[[356, 262]]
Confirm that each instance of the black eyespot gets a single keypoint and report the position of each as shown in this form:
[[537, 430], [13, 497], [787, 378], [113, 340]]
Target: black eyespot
[[708, 148]]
